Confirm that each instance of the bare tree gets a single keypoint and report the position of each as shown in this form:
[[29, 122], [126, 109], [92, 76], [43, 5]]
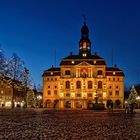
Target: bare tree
[[15, 72]]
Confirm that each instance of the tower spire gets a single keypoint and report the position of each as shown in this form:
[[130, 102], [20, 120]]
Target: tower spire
[[84, 43]]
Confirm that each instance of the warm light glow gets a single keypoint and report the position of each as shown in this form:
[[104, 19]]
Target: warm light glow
[[114, 73], [104, 94], [61, 95], [84, 54], [8, 104], [138, 98], [39, 97], [72, 94], [72, 62]]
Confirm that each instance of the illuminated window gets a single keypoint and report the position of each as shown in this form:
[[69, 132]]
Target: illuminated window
[[72, 62], [114, 73], [84, 54], [100, 84], [2, 92], [84, 45], [51, 73], [78, 84], [89, 84], [67, 84], [94, 61]]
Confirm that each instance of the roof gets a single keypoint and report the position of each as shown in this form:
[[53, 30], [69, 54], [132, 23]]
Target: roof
[[52, 72], [114, 71], [91, 59]]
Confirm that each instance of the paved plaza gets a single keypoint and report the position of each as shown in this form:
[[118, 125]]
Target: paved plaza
[[33, 124]]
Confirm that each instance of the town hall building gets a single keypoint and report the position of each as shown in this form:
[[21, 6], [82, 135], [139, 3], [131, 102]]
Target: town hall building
[[83, 80]]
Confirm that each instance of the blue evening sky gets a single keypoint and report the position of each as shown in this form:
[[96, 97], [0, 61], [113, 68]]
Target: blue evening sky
[[34, 29]]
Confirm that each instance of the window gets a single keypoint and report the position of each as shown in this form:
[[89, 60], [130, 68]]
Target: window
[[67, 72], [78, 84], [110, 93], [67, 84], [47, 79], [48, 86], [110, 87], [67, 95], [117, 87], [55, 92], [117, 93], [55, 79], [109, 79], [51, 79], [89, 84], [55, 87], [78, 95], [100, 72], [90, 95], [113, 79], [100, 84], [118, 79], [49, 92]]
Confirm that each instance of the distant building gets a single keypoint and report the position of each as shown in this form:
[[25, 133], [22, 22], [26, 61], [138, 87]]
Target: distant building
[[6, 93], [83, 79]]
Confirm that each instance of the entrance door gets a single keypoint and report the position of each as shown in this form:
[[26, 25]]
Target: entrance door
[[68, 104]]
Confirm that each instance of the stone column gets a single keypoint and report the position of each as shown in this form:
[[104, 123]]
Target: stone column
[[61, 104], [72, 104]]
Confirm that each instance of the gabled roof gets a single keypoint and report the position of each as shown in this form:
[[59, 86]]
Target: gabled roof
[[91, 59], [114, 71], [52, 72]]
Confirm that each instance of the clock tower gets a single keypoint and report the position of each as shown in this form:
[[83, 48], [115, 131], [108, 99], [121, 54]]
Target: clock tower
[[84, 43]]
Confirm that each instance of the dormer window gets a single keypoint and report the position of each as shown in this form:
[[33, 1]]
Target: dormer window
[[114, 73], [72, 61], [84, 54]]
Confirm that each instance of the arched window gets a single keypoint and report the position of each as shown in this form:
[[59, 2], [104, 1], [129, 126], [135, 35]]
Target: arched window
[[67, 72], [100, 72], [78, 84], [100, 84], [67, 84], [89, 84]]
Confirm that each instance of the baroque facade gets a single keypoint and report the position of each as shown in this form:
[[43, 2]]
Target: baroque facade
[[83, 80]]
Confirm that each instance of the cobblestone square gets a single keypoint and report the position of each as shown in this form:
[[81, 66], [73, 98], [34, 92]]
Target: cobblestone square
[[32, 124]]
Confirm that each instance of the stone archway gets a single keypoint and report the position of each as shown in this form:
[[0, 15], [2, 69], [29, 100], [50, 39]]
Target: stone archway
[[109, 103], [117, 104]]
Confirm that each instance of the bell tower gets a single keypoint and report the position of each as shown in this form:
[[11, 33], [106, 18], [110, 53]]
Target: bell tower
[[84, 43]]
